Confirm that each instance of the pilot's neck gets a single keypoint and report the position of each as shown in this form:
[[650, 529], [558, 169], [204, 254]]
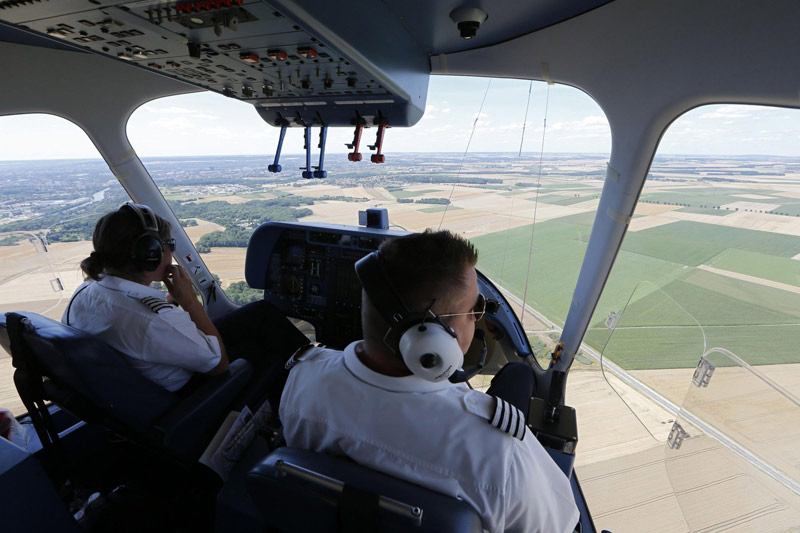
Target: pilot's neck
[[381, 360]]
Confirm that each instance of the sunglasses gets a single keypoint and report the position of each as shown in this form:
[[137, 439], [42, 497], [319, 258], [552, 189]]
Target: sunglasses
[[478, 310], [170, 243]]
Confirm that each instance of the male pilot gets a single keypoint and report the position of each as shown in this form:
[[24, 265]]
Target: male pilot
[[387, 403]]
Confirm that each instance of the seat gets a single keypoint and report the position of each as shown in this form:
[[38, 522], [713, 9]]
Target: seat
[[85, 376], [299, 490]]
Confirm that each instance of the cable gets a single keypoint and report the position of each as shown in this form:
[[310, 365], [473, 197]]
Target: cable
[[474, 125], [525, 122], [511, 212], [535, 204]]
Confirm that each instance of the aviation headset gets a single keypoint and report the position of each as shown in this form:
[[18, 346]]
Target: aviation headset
[[146, 250], [427, 346]]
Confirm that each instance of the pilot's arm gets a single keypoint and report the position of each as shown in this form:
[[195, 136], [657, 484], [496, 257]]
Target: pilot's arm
[[180, 289]]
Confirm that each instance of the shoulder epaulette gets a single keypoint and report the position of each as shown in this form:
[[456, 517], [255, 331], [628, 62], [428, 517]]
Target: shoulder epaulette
[[304, 353], [508, 419], [156, 305]]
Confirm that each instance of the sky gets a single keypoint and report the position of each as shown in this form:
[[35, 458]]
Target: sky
[[211, 124]]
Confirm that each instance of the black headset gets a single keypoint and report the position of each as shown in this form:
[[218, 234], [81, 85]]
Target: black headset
[[146, 250], [425, 344]]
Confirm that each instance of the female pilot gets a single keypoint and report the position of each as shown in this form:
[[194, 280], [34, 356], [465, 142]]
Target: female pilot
[[171, 340]]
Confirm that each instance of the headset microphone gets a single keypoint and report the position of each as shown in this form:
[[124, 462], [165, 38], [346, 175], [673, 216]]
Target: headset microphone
[[460, 376]]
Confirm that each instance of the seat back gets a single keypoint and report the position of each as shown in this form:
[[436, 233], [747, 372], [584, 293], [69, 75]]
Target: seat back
[[88, 377], [299, 490]]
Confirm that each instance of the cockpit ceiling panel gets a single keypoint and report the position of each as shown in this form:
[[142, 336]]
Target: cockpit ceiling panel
[[244, 49]]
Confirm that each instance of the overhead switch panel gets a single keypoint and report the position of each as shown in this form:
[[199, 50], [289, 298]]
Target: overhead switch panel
[[244, 49]]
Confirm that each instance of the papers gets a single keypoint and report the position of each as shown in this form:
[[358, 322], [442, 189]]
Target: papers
[[229, 443]]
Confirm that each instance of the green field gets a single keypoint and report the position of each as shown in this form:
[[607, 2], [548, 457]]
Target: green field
[[695, 197], [761, 324], [566, 200], [440, 208], [402, 193], [780, 269], [705, 211]]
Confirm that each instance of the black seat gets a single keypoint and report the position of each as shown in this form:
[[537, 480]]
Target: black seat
[[85, 376], [298, 490]]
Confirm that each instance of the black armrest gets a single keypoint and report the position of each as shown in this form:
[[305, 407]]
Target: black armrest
[[190, 425]]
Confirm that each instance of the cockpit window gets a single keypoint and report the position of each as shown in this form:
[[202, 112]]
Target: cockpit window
[[482, 162], [53, 188]]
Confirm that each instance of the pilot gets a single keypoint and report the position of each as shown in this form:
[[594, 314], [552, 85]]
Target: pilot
[[171, 340], [389, 401]]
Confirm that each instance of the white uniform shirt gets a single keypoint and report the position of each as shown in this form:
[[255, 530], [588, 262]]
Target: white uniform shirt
[[160, 339], [433, 434]]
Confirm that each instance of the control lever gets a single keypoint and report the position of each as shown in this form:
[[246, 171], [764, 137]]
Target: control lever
[[307, 173], [323, 136], [275, 166], [379, 157]]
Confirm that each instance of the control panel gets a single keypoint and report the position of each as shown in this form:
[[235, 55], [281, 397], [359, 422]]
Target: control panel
[[258, 52], [307, 272]]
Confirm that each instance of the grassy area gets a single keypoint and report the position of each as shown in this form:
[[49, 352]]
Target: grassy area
[[704, 211], [403, 193], [567, 200], [439, 209], [780, 269], [695, 243], [557, 256], [681, 347], [759, 323]]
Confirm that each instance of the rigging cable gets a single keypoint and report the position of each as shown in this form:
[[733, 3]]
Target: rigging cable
[[535, 205], [525, 121], [511, 212], [474, 125]]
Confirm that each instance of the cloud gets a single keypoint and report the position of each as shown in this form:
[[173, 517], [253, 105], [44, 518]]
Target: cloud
[[173, 123], [589, 126], [729, 112], [178, 110]]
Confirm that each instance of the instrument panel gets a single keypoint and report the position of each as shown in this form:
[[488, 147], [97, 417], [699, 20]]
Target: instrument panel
[[307, 272]]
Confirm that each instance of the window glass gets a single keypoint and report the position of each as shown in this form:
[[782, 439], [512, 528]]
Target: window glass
[[485, 184], [48, 209], [703, 308]]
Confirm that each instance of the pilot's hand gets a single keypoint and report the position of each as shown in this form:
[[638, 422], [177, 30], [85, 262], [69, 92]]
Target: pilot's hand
[[179, 285]]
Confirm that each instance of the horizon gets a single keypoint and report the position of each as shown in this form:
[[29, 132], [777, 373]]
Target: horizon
[[302, 155]]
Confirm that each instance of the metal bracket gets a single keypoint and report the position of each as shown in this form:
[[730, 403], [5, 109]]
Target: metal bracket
[[611, 321], [56, 285], [38, 243], [676, 436], [703, 372]]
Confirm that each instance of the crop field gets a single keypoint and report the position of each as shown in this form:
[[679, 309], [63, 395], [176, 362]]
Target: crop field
[[745, 301], [780, 269]]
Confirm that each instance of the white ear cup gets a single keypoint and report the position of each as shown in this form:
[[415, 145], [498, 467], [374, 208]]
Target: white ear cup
[[430, 351]]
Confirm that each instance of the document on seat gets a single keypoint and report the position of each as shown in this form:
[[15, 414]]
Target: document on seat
[[229, 443]]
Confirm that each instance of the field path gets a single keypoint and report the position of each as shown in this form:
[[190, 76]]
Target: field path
[[751, 279]]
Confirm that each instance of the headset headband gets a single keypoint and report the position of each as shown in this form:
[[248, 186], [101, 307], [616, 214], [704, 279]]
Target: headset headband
[[146, 216], [387, 301], [373, 278]]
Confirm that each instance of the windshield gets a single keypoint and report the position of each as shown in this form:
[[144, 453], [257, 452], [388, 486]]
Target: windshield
[[697, 333]]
